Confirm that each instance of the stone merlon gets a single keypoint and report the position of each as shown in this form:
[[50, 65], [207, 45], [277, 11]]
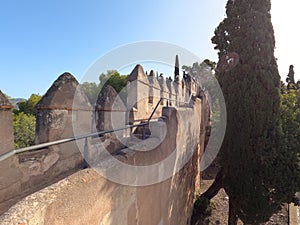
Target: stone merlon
[[136, 74], [61, 94], [4, 102]]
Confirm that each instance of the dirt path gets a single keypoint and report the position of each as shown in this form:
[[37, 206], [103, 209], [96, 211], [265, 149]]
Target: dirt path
[[219, 214]]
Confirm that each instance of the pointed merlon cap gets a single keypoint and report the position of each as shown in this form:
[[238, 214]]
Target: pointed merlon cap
[[106, 98], [152, 79], [170, 85], [4, 102], [62, 93], [137, 73], [162, 83], [152, 73]]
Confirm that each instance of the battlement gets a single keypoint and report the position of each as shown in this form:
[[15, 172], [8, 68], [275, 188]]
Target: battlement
[[153, 87], [145, 91], [64, 103]]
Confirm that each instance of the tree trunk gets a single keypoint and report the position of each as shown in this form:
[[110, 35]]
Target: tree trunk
[[213, 190], [232, 216]]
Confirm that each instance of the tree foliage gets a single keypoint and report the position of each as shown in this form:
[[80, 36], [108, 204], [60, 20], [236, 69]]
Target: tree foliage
[[260, 172], [24, 129], [290, 115], [203, 74], [27, 106], [197, 68], [112, 78], [24, 121], [91, 90]]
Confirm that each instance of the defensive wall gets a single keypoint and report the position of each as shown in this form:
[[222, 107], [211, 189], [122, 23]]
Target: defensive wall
[[30, 171], [86, 197]]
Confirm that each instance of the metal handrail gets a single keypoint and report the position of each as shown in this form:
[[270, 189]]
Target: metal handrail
[[171, 100], [153, 111], [63, 141], [66, 140]]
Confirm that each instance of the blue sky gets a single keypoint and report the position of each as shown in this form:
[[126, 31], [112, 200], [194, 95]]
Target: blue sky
[[39, 40]]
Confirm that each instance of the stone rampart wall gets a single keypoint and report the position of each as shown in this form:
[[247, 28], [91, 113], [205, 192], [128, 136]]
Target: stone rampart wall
[[86, 197], [28, 172], [144, 92]]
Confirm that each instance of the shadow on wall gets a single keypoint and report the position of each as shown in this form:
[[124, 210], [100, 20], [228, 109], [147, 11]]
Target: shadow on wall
[[28, 172], [86, 197]]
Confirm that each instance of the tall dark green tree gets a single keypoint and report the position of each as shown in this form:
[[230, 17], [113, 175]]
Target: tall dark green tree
[[176, 69], [258, 172], [291, 84]]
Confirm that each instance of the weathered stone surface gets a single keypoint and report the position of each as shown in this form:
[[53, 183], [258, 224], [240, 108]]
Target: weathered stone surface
[[38, 165], [106, 98], [136, 74], [154, 90], [55, 111], [110, 110], [172, 94], [153, 80], [27, 172], [164, 91], [4, 102], [6, 128], [10, 174], [88, 198], [61, 94], [138, 95], [64, 103]]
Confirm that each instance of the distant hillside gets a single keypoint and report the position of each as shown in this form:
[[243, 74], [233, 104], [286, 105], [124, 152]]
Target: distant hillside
[[14, 101]]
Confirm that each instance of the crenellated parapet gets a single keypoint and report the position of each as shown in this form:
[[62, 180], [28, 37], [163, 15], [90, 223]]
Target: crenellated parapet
[[154, 89], [145, 91], [164, 91], [30, 171], [109, 111], [65, 102], [57, 108], [138, 93]]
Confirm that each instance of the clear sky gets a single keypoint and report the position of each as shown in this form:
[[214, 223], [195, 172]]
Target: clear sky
[[39, 40]]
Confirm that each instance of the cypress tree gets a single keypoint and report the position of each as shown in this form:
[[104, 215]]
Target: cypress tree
[[258, 173], [176, 70], [291, 79]]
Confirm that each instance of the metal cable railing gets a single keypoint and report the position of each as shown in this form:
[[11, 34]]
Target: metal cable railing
[[62, 141], [85, 136]]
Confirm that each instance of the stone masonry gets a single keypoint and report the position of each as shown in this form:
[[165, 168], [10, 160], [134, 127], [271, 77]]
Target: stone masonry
[[31, 171], [27, 172]]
